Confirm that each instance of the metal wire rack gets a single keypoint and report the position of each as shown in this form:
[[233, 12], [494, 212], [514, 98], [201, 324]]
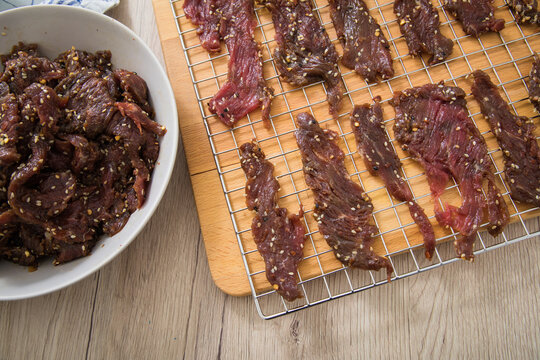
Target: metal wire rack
[[506, 56]]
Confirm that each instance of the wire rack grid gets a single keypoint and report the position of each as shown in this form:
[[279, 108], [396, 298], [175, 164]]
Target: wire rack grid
[[506, 56]]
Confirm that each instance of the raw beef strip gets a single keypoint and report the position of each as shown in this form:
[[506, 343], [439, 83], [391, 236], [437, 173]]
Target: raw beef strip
[[432, 123], [365, 48], [234, 22], [419, 24], [476, 16], [304, 52], [381, 159], [515, 135], [342, 208], [279, 237], [207, 15]]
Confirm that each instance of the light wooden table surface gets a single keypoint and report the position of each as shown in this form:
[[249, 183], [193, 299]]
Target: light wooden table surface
[[157, 299]]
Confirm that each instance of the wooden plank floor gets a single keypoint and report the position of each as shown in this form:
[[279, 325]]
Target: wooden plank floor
[[157, 300]]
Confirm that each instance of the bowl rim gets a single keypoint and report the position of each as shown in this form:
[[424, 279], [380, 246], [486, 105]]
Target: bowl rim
[[172, 131]]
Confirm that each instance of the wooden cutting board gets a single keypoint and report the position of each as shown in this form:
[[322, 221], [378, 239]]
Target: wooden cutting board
[[221, 246], [224, 256]]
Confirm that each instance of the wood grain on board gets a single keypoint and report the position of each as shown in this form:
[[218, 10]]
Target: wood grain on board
[[393, 219]]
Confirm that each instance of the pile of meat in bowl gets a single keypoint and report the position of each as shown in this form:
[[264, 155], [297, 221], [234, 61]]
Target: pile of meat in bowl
[[78, 145]]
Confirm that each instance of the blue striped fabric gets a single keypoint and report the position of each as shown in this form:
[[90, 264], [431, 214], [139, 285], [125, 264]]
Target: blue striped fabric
[[96, 5]]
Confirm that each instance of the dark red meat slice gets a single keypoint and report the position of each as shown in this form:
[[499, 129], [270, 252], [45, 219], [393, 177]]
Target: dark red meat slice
[[15, 240], [46, 104], [73, 226], [245, 89], [135, 89], [21, 176], [5, 177], [140, 119], [32, 239], [525, 11], [8, 228], [476, 16], [382, 160], [365, 48], [104, 204], [342, 208], [85, 153], [19, 255], [137, 132], [515, 135], [50, 195], [534, 83], [432, 123], [419, 24], [61, 153], [207, 15], [22, 69], [29, 49], [75, 60], [9, 127], [304, 52], [90, 106], [70, 252], [37, 198], [279, 237]]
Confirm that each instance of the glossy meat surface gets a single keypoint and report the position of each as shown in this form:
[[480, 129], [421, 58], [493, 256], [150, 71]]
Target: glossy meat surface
[[365, 48], [342, 209], [419, 24], [381, 159], [515, 136], [432, 123], [9, 126], [76, 152], [233, 22], [525, 11], [534, 83], [134, 89], [304, 52], [279, 236], [24, 66], [476, 16], [90, 102]]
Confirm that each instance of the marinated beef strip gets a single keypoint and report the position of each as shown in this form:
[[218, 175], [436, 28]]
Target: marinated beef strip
[[279, 237], [342, 209], [76, 152], [304, 52], [9, 127], [525, 11], [534, 83], [24, 66], [207, 15], [365, 48], [419, 24], [476, 16], [233, 22], [432, 123], [515, 135], [381, 159]]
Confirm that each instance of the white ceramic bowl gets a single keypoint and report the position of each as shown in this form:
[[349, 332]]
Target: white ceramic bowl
[[56, 29]]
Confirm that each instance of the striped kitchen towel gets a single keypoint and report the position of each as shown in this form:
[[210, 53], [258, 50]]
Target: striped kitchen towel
[[96, 5]]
